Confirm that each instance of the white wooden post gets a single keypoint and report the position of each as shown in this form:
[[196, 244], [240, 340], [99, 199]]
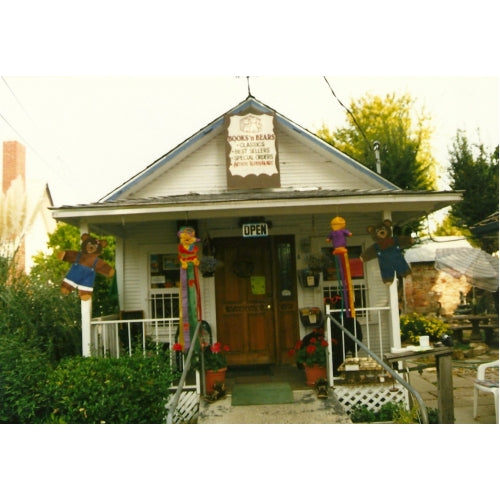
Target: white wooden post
[[393, 303], [394, 314], [329, 365], [119, 266], [86, 309]]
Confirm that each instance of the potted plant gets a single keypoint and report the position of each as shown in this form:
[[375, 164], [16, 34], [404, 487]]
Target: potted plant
[[310, 353], [215, 364]]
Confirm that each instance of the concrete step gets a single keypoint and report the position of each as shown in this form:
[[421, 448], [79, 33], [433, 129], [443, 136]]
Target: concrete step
[[307, 408]]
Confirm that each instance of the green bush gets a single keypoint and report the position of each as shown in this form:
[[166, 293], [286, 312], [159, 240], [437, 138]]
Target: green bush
[[361, 413], [128, 390], [24, 371], [80, 390], [414, 325], [33, 309], [390, 412]]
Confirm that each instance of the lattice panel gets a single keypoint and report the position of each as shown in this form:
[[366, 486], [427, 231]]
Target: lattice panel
[[188, 407], [373, 396]]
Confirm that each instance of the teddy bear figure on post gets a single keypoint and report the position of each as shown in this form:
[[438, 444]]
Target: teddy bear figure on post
[[85, 264], [388, 249]]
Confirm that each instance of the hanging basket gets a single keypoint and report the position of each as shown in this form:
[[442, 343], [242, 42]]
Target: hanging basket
[[308, 278], [311, 316]]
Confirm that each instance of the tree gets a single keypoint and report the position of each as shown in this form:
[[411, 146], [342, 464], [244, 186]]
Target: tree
[[403, 134], [475, 171], [34, 314]]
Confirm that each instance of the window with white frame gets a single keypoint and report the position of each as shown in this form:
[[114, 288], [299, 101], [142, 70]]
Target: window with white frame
[[164, 286], [332, 284]]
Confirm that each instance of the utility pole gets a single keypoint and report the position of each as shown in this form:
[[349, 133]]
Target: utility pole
[[376, 148]]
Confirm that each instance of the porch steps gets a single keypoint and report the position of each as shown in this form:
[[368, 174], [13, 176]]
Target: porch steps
[[307, 408]]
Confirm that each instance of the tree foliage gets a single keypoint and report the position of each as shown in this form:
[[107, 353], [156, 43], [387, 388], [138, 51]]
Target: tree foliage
[[33, 311], [403, 133], [53, 270], [475, 171], [32, 308]]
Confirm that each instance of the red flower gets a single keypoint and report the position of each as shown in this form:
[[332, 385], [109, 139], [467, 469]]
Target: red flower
[[324, 343], [291, 353], [298, 345], [215, 348], [177, 347], [313, 340], [311, 349], [226, 348]]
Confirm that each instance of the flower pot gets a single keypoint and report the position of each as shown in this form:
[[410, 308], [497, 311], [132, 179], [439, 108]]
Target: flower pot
[[314, 373], [213, 376]]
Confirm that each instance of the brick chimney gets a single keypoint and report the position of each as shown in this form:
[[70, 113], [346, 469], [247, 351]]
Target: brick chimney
[[14, 163]]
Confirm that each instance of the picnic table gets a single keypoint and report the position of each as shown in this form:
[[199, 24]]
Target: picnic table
[[473, 322], [442, 355]]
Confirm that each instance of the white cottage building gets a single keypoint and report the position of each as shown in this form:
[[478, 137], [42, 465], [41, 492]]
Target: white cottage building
[[260, 191]]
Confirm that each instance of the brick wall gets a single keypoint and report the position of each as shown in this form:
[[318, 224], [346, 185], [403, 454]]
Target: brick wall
[[14, 165], [429, 291], [14, 161]]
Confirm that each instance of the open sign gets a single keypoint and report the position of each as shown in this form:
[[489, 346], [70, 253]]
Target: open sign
[[255, 230]]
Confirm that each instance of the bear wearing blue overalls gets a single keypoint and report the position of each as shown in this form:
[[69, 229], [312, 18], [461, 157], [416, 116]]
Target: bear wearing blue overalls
[[388, 249], [85, 264]]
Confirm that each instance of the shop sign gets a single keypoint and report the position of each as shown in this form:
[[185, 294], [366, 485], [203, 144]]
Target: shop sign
[[252, 155], [255, 230]]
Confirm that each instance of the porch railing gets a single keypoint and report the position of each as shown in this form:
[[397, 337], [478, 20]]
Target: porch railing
[[373, 322], [114, 337], [378, 359], [172, 405]]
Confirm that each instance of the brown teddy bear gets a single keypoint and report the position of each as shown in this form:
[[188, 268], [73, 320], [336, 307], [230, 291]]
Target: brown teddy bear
[[86, 263], [388, 249]]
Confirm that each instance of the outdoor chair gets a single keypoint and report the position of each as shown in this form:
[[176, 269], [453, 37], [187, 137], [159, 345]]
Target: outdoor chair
[[485, 385]]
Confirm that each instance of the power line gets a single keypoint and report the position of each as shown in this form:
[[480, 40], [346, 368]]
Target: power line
[[25, 141], [17, 99], [352, 115]]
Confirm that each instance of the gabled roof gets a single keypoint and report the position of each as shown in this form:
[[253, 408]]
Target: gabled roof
[[162, 190], [486, 226], [202, 136]]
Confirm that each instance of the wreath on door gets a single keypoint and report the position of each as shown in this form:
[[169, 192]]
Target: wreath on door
[[243, 268]]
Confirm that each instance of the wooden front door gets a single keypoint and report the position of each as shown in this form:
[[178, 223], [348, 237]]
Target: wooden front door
[[250, 310]]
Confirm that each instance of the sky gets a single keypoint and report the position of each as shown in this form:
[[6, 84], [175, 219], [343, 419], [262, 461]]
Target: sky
[[86, 135], [97, 94]]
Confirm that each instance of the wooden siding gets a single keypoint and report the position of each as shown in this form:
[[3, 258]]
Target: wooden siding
[[202, 171], [301, 166]]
